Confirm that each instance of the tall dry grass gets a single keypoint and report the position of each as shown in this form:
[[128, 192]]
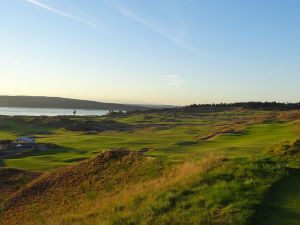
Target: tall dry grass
[[103, 209]]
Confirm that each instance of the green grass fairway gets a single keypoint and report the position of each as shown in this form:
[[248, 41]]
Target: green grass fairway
[[172, 142], [253, 140]]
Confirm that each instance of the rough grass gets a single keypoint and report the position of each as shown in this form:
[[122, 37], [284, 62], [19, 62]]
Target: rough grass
[[282, 203], [116, 179], [211, 192], [13, 180], [224, 195]]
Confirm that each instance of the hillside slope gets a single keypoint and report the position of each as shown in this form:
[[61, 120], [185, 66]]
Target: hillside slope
[[13, 180], [123, 187], [96, 188], [77, 184], [64, 103]]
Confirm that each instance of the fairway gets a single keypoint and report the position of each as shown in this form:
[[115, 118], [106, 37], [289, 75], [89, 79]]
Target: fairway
[[253, 140], [171, 142]]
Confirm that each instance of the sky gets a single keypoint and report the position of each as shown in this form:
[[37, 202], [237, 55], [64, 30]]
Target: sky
[[176, 52]]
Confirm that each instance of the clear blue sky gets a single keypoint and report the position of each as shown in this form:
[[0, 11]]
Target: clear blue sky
[[159, 51]]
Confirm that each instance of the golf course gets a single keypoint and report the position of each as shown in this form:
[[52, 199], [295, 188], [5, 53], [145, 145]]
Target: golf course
[[173, 166]]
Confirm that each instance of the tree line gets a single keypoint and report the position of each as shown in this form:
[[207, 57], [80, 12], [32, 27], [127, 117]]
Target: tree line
[[250, 105]]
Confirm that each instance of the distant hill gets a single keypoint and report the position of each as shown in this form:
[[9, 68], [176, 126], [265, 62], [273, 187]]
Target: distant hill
[[63, 103]]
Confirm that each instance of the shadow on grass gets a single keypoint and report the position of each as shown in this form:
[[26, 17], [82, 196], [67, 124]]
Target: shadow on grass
[[187, 143], [48, 151], [281, 205], [20, 127], [44, 125], [237, 133]]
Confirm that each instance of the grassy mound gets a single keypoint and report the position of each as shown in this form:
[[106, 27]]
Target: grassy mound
[[98, 173], [124, 187], [289, 152], [225, 195], [286, 148], [101, 184]]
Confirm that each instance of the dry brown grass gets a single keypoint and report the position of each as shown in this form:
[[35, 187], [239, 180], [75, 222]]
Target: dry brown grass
[[64, 205], [12, 180], [289, 115], [108, 207]]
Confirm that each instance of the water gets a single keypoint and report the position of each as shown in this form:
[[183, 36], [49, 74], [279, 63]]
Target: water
[[12, 111]]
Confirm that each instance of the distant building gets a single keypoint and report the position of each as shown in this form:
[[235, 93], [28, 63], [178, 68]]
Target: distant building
[[25, 140]]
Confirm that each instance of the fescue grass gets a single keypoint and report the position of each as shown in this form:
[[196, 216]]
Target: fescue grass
[[224, 195], [212, 192]]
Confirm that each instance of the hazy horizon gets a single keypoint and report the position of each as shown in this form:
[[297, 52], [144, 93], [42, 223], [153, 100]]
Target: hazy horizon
[[160, 52]]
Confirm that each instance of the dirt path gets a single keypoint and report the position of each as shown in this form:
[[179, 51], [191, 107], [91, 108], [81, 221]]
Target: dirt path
[[282, 204]]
